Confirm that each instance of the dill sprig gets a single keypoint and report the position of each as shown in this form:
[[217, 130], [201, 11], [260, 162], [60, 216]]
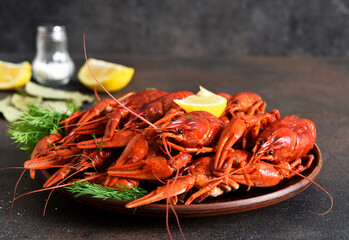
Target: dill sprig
[[35, 124], [39, 122], [99, 191], [99, 144]]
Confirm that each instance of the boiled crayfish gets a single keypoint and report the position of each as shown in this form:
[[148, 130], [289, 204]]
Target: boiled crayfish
[[196, 150]]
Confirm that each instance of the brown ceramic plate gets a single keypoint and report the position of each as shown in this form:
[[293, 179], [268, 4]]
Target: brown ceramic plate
[[233, 202]]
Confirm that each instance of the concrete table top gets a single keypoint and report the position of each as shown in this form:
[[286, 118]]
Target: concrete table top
[[314, 88]]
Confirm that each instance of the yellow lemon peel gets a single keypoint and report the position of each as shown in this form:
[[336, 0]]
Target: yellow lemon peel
[[111, 75], [204, 100], [14, 75]]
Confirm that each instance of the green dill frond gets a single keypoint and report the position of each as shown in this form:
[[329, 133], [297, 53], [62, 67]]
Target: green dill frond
[[72, 107], [35, 124], [99, 144], [99, 191]]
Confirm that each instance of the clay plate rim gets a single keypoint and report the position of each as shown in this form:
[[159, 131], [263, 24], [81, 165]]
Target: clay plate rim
[[233, 202]]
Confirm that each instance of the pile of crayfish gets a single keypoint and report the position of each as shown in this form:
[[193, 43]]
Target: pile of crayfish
[[144, 138]]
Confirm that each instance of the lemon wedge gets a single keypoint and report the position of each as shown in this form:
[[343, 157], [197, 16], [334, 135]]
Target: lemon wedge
[[14, 75], [204, 100], [111, 75]]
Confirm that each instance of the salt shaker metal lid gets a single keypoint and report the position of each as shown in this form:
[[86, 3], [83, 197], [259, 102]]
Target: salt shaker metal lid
[[56, 32]]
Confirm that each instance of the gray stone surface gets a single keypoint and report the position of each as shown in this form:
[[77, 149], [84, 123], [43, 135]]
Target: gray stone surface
[[311, 88], [183, 27]]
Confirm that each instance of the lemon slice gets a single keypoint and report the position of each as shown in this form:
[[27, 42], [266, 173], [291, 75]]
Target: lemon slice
[[111, 75], [14, 75], [204, 100]]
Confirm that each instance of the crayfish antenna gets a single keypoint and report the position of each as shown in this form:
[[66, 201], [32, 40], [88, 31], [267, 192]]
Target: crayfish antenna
[[6, 168], [42, 190], [58, 184], [14, 195], [316, 184], [167, 211], [96, 94], [132, 112], [169, 204], [39, 190], [49, 188]]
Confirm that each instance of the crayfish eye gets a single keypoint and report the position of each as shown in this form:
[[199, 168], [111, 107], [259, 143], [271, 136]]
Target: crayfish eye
[[180, 131], [270, 152], [261, 142], [76, 140]]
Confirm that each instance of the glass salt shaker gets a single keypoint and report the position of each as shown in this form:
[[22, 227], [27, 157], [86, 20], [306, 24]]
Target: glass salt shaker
[[52, 65]]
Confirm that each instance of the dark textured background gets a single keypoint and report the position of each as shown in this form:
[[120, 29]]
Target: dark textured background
[[182, 27], [314, 88]]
